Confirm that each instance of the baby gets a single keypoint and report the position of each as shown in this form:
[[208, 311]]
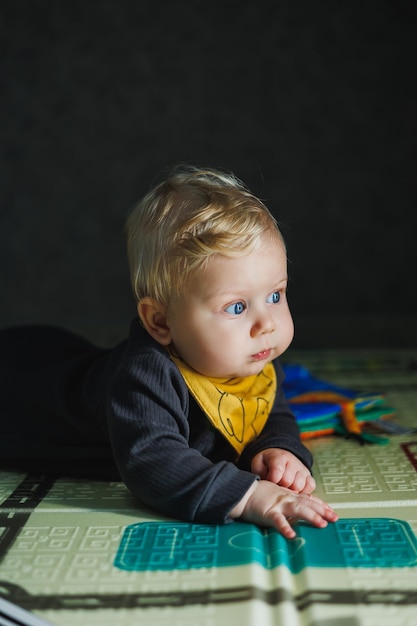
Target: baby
[[190, 406]]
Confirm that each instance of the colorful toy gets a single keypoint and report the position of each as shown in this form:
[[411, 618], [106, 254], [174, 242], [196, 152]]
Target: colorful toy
[[322, 408]]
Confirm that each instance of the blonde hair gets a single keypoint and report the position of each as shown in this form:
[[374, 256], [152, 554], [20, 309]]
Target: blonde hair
[[191, 215]]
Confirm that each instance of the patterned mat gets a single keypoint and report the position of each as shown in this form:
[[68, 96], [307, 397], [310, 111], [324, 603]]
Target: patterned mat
[[77, 552]]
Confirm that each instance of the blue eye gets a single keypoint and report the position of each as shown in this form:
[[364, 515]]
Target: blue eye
[[236, 308], [274, 298]]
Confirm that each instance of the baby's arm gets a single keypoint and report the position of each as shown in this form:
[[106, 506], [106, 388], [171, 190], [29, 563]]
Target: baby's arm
[[283, 468], [269, 505]]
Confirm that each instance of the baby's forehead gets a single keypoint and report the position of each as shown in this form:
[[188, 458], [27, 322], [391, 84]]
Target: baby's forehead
[[265, 264]]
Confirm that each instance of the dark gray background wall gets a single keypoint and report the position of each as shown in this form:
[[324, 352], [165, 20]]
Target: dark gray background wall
[[312, 104]]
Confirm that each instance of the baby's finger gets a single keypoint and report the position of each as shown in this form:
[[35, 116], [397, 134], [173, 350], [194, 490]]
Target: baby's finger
[[287, 478], [276, 472], [311, 510], [309, 485], [283, 521], [298, 482], [313, 500], [259, 467], [324, 509], [283, 524], [319, 505]]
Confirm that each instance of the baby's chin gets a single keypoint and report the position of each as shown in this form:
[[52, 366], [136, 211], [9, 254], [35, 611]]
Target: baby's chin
[[253, 370]]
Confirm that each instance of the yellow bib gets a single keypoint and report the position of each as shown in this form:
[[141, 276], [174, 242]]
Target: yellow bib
[[237, 407]]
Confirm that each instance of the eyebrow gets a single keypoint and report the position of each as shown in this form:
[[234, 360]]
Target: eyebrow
[[233, 293]]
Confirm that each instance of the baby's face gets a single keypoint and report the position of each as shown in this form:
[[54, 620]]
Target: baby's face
[[235, 316]]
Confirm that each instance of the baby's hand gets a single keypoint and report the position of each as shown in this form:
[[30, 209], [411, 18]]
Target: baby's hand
[[267, 504], [283, 468]]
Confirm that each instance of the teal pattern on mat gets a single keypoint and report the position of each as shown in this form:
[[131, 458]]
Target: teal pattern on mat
[[347, 543]]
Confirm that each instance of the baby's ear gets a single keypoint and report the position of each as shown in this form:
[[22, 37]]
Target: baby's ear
[[153, 316]]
